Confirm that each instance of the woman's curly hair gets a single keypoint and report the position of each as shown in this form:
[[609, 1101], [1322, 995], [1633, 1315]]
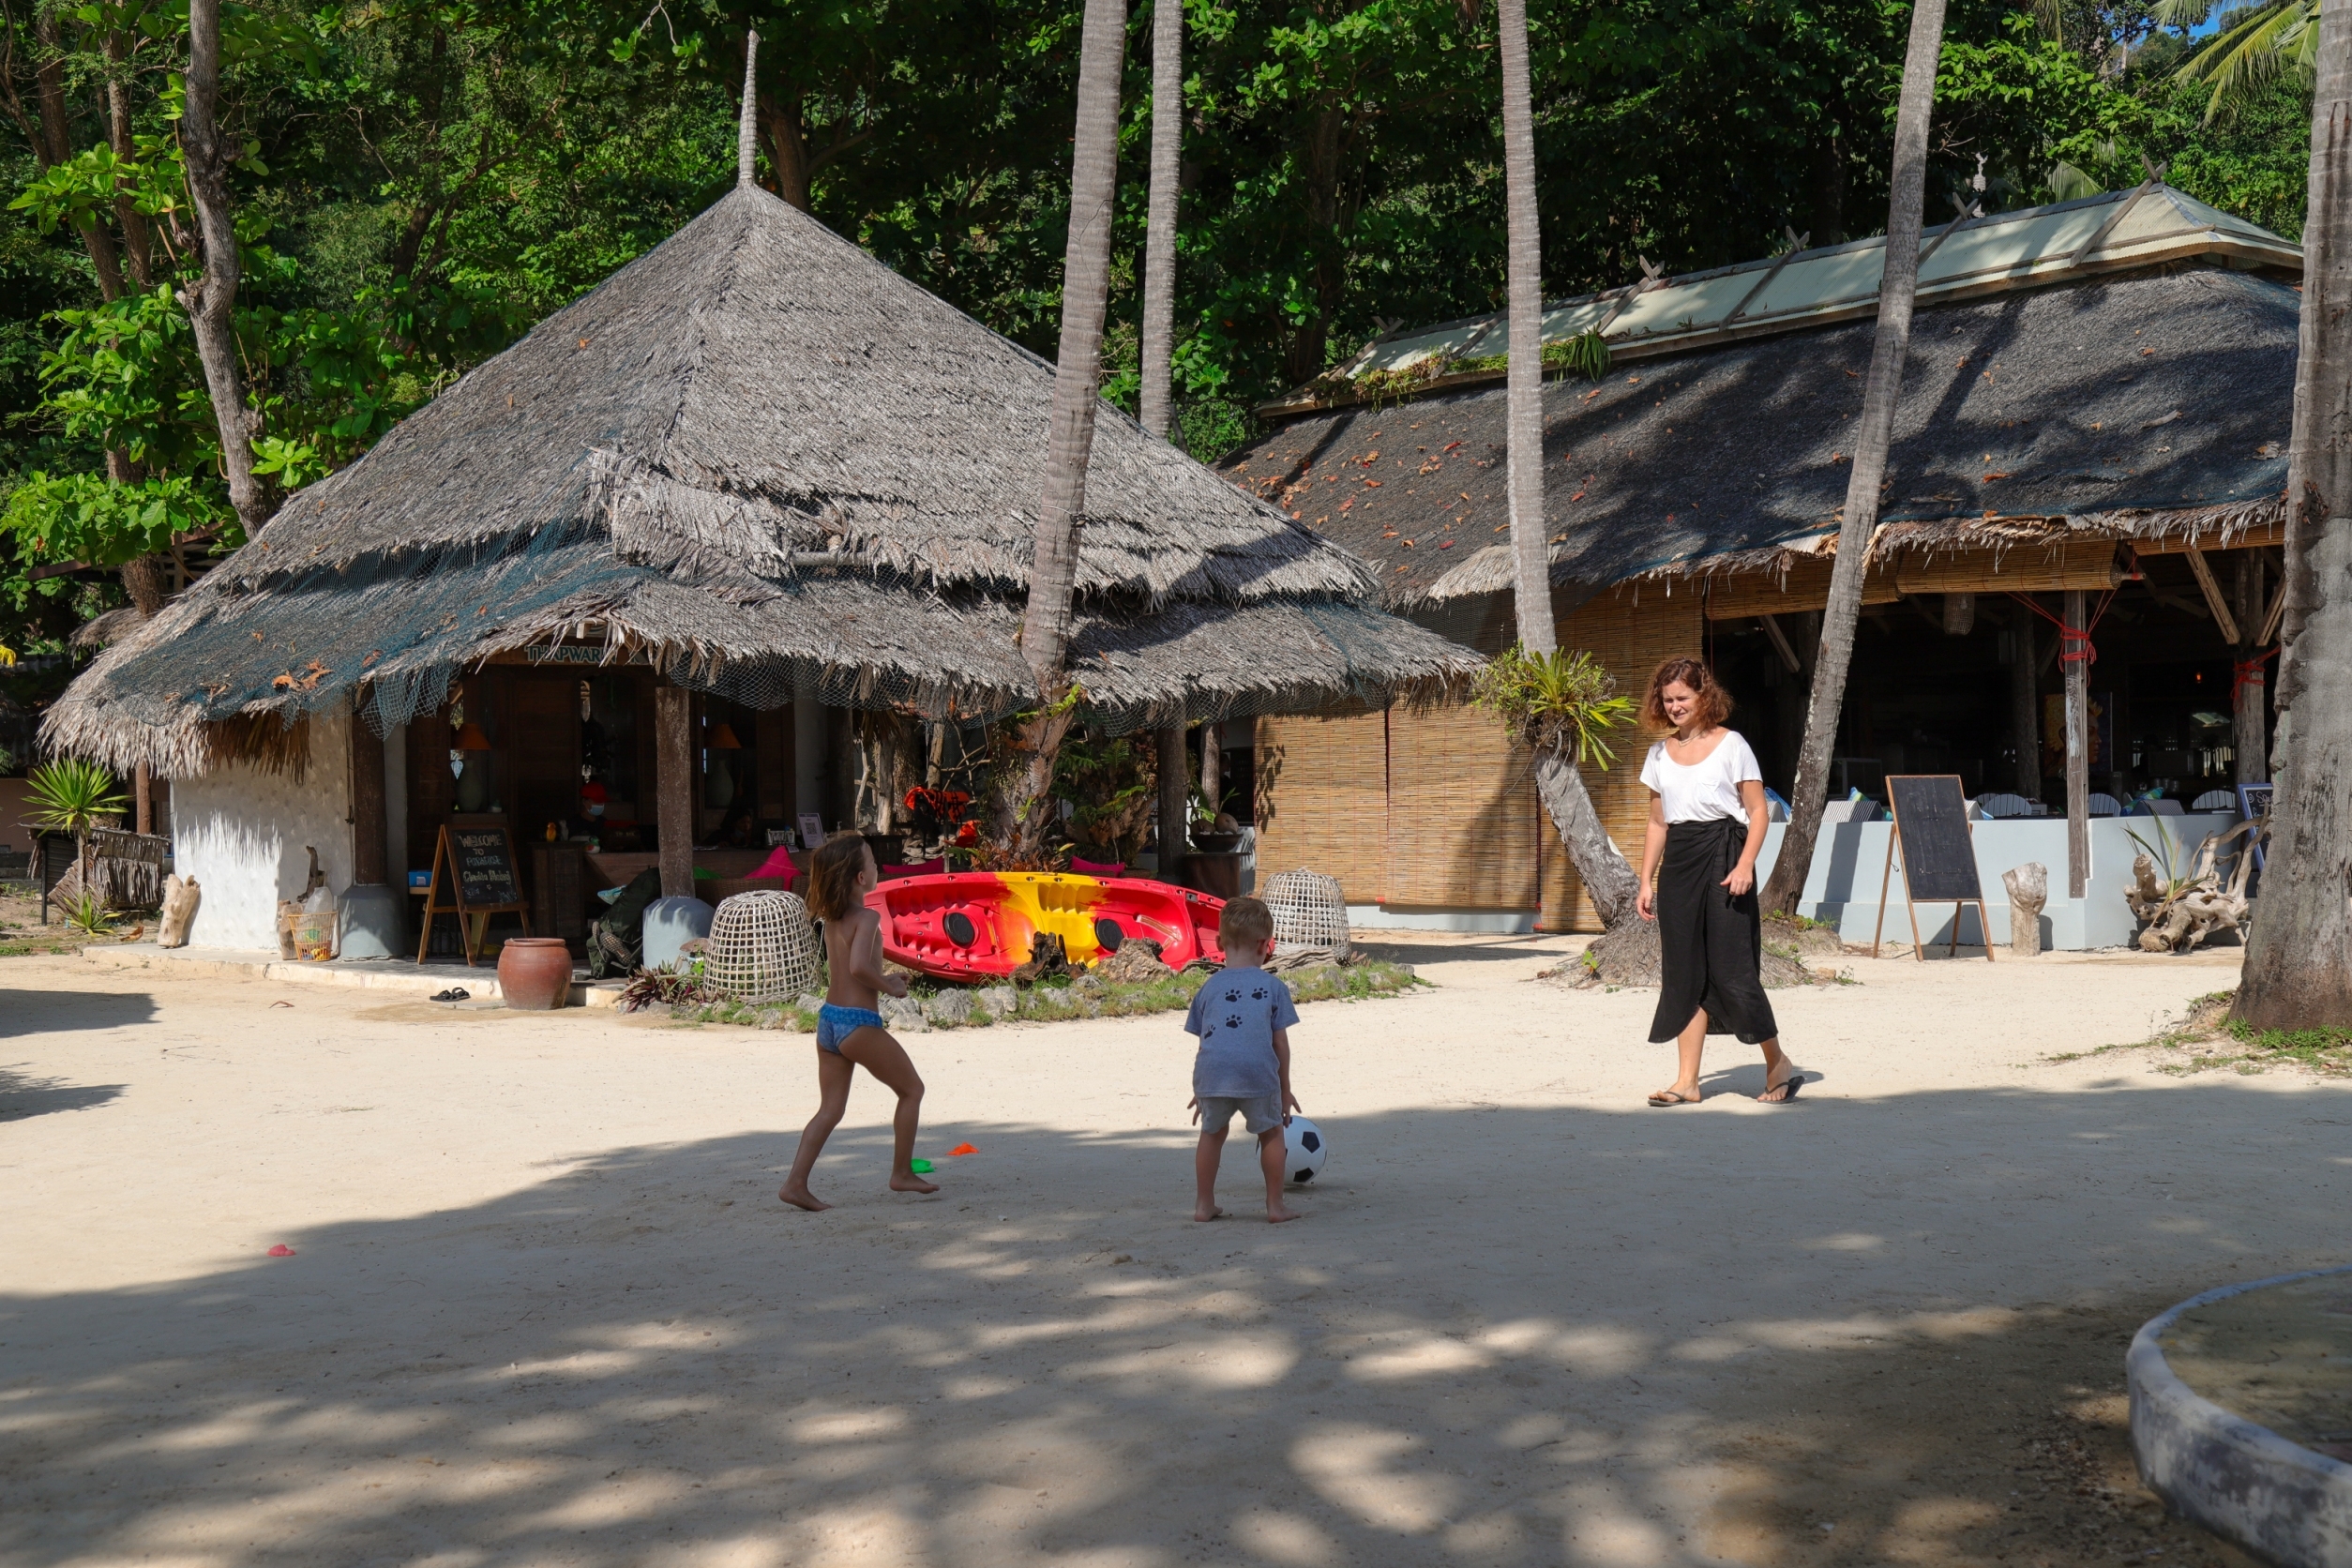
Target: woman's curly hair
[[1714, 702]]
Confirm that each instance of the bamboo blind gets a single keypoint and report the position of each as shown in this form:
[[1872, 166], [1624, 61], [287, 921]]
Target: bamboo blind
[[1807, 586], [1461, 813], [1322, 799], [1631, 639], [2023, 569]]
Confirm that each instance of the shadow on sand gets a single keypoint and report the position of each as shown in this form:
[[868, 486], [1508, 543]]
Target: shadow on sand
[[642, 1359]]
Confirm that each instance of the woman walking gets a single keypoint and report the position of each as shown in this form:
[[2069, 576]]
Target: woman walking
[[1699, 882]]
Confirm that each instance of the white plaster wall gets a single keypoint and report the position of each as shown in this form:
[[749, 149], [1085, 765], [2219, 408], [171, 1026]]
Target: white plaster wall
[[241, 832]]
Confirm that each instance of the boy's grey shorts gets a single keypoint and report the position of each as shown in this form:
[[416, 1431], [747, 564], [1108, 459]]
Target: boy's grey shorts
[[1258, 1112]]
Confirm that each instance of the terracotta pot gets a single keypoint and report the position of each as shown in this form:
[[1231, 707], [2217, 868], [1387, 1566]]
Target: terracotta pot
[[535, 974]]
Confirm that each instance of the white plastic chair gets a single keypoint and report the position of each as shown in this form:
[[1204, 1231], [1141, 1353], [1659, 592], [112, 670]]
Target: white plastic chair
[[2215, 800], [2106, 806], [1996, 805]]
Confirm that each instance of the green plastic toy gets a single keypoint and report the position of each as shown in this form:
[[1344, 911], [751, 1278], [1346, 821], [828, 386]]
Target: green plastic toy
[[921, 1168]]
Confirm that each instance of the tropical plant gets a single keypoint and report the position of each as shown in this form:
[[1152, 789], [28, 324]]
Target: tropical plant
[[87, 913], [1112, 783], [2255, 44], [1898, 287], [1561, 703], [71, 795], [2298, 957]]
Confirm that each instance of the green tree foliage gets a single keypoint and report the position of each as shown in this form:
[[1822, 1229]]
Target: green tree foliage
[[421, 183]]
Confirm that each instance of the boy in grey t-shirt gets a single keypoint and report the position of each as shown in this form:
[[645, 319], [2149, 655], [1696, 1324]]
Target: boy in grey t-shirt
[[1243, 1017]]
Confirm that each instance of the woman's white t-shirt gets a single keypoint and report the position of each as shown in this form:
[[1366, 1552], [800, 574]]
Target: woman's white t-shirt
[[1707, 788]]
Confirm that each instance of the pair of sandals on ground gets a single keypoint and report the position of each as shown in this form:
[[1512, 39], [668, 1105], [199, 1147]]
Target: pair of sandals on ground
[[1778, 1094]]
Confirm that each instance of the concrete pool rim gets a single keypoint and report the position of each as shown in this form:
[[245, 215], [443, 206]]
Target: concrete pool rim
[[2242, 1481]]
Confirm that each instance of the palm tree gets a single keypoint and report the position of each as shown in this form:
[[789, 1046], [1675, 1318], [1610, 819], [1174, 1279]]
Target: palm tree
[[1897, 288], [1608, 880], [1025, 793], [70, 795], [211, 301], [1159, 334], [2256, 43], [1159, 233], [2299, 956]]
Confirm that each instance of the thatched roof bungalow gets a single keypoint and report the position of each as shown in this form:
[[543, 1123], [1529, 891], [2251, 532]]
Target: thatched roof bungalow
[[755, 466], [2098, 401]]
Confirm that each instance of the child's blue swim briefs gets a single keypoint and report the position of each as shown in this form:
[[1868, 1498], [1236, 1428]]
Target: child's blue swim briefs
[[837, 1024]]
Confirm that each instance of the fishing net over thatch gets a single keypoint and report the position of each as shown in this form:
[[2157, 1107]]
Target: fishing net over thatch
[[760, 460]]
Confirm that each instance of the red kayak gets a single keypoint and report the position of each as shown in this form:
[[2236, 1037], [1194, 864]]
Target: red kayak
[[981, 924]]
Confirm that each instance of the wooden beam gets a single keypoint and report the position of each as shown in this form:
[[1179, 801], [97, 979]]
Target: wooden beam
[[2271, 616], [1175, 778], [2213, 600], [1959, 614], [2077, 751], [673, 788], [1779, 641]]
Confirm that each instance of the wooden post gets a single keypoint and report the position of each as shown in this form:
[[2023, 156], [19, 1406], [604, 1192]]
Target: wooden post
[[1213, 765], [143, 797], [369, 853], [1174, 796], [673, 788], [2077, 670], [2025, 702]]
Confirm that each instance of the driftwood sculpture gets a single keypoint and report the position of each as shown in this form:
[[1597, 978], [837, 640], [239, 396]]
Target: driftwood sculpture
[[180, 897], [2028, 890], [2183, 911]]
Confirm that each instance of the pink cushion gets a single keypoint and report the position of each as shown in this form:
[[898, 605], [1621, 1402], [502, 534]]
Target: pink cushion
[[779, 864], [1097, 867], [916, 869]]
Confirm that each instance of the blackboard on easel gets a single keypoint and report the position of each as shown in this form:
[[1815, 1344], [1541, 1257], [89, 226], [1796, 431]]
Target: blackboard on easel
[[1932, 830], [473, 878]]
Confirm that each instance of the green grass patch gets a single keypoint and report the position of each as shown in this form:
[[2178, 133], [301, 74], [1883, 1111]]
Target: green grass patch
[[2209, 1040]]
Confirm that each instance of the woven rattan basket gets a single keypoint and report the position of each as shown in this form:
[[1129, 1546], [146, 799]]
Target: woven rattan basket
[[1310, 911], [762, 946]]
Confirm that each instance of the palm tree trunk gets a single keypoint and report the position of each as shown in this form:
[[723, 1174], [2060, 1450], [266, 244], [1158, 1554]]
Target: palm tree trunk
[[2298, 956], [211, 301], [1159, 233], [1608, 880], [1023, 811], [1897, 288]]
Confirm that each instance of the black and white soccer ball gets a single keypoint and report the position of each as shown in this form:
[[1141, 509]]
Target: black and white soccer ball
[[1306, 1150]]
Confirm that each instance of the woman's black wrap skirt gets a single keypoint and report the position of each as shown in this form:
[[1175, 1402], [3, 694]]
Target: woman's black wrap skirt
[[1710, 942]]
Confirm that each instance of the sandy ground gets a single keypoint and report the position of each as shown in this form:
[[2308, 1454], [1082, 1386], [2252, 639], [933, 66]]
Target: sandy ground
[[543, 1294]]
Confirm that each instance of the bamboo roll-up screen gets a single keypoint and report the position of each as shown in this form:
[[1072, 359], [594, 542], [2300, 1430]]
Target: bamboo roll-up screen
[[1807, 586], [1322, 799], [2021, 570], [1630, 640], [1461, 813]]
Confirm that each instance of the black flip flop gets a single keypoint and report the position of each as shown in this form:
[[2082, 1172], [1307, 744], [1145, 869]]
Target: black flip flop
[[1667, 1098], [455, 993], [1793, 1082]]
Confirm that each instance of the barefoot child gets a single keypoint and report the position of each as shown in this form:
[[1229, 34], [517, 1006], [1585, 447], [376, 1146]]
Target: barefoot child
[[849, 1031], [1243, 1017]]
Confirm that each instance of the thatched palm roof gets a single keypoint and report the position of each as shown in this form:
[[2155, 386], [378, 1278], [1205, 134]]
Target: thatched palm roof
[[2130, 406], [757, 457]]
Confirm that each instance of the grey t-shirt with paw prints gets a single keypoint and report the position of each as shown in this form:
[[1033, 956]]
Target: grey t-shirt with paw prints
[[1235, 1014]]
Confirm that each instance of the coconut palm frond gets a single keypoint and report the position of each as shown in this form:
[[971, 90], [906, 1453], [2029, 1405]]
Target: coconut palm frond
[[2068, 183], [2182, 13], [2255, 46]]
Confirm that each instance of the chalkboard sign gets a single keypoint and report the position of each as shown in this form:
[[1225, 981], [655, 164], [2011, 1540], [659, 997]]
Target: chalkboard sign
[[485, 869], [1930, 816], [1931, 828], [473, 878]]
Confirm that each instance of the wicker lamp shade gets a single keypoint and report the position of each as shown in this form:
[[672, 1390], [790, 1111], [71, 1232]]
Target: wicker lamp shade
[[762, 946], [1310, 911]]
